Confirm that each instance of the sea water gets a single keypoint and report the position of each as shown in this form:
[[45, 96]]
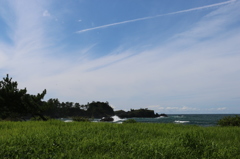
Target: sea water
[[192, 119]]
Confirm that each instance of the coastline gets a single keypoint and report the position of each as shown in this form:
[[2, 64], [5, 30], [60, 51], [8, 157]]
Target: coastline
[[188, 119]]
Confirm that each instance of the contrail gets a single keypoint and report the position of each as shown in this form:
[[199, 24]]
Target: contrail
[[156, 16]]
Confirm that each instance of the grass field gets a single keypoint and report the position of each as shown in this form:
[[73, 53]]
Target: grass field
[[56, 139]]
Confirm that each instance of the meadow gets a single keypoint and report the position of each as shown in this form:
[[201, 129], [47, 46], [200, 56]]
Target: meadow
[[56, 139]]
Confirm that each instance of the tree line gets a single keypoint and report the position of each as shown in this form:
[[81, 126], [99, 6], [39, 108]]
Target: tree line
[[17, 104], [94, 109]]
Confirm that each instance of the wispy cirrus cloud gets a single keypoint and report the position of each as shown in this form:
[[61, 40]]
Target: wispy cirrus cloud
[[197, 68]]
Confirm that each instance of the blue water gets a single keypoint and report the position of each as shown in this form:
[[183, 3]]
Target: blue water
[[192, 119]]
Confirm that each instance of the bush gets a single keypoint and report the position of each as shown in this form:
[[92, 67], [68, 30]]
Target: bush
[[11, 119], [229, 121], [130, 121], [38, 118], [80, 119]]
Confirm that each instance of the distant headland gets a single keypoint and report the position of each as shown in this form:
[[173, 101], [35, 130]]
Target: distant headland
[[17, 104]]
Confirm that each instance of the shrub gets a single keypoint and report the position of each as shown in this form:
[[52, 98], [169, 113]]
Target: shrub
[[130, 121], [229, 121], [80, 119], [38, 118], [11, 119]]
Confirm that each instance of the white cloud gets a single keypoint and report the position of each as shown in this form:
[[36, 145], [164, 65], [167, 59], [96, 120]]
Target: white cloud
[[224, 108], [198, 73], [172, 108], [46, 13], [3, 59], [183, 108], [153, 106]]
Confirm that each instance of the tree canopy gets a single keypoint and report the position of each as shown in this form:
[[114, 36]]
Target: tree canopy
[[136, 113], [16, 103]]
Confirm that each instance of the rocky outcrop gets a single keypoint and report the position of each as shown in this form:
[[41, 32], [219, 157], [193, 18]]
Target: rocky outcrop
[[163, 115], [138, 113], [107, 119]]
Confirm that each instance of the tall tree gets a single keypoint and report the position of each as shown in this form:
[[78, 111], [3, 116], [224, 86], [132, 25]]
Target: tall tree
[[99, 109], [16, 103], [10, 99]]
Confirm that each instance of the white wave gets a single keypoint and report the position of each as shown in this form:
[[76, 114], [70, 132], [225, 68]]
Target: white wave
[[178, 121], [67, 121], [116, 118], [160, 117], [178, 116]]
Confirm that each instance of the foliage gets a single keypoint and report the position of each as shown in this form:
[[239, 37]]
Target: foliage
[[136, 113], [99, 109], [56, 139], [229, 121], [16, 103], [37, 118], [80, 119], [57, 109], [129, 121], [10, 99]]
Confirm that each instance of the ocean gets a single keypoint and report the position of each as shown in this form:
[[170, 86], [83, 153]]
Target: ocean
[[192, 119]]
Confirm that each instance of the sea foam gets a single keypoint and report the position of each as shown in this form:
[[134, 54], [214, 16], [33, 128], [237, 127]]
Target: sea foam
[[178, 121], [117, 119], [67, 121]]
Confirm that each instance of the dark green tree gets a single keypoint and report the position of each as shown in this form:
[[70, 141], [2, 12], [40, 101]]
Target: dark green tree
[[77, 105], [10, 99], [99, 109], [16, 103], [53, 108], [34, 104]]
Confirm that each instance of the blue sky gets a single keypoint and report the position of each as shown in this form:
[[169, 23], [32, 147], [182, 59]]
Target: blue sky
[[179, 56]]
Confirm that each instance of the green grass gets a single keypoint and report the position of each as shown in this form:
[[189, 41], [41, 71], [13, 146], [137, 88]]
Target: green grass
[[56, 139]]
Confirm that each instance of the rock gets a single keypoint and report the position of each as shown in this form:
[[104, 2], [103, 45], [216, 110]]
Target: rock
[[107, 119], [163, 115]]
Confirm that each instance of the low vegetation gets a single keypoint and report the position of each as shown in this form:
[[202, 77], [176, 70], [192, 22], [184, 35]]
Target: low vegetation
[[37, 118], [56, 139], [80, 119], [129, 121]]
